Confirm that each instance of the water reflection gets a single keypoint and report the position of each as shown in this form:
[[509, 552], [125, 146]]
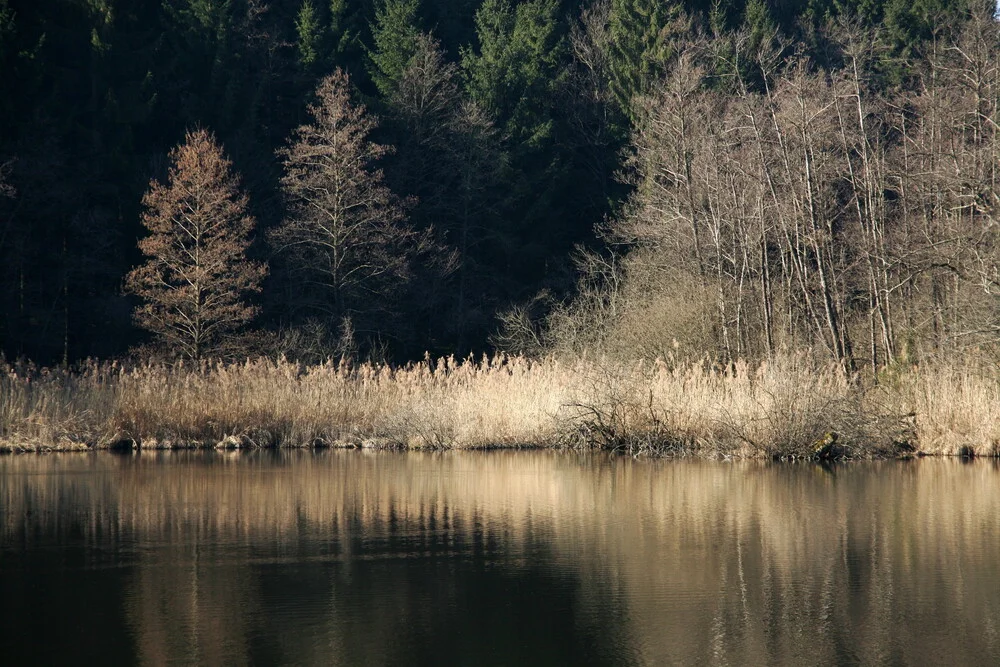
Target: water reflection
[[496, 558]]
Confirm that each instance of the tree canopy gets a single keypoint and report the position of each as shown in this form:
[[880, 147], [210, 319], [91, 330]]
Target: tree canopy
[[513, 130], [196, 277]]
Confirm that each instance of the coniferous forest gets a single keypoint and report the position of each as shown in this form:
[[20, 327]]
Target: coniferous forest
[[381, 178]]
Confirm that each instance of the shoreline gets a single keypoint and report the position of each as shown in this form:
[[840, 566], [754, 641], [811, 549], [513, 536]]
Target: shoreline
[[791, 408], [10, 449]]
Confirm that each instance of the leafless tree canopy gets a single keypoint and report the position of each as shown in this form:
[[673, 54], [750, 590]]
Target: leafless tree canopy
[[812, 210], [346, 232], [196, 277]]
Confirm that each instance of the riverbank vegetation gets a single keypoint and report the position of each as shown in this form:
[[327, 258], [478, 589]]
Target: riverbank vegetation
[[729, 228], [791, 407]]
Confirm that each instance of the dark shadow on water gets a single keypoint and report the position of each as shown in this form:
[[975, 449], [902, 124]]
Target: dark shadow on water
[[60, 602], [450, 612]]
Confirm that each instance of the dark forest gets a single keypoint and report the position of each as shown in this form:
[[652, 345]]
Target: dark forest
[[518, 155]]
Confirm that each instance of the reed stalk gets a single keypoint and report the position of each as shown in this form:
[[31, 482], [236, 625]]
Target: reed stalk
[[791, 407]]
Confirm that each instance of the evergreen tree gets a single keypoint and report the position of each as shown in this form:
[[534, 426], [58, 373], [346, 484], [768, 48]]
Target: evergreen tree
[[759, 24], [512, 155], [395, 34], [453, 21], [911, 23], [518, 65], [517, 76], [340, 27], [642, 37], [309, 32], [721, 15], [195, 63]]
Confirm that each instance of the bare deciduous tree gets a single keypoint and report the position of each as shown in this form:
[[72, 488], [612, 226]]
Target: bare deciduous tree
[[427, 93], [196, 277], [346, 231], [810, 207]]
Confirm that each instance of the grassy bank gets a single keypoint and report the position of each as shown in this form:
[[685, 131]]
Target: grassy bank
[[790, 407]]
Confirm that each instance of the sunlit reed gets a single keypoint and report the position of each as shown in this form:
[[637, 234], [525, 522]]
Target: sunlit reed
[[784, 408]]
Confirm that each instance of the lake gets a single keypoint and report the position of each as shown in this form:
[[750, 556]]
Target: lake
[[495, 558]]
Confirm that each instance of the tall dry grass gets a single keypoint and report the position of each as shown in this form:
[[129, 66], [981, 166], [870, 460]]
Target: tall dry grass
[[784, 408], [957, 406], [444, 403]]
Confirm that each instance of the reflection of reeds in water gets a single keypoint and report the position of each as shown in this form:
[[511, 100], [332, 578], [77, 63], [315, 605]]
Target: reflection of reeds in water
[[781, 408], [712, 562]]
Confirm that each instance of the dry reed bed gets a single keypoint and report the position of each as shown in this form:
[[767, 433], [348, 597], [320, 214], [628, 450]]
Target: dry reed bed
[[785, 408]]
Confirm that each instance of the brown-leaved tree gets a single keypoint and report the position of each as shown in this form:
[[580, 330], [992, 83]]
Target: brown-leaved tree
[[196, 277]]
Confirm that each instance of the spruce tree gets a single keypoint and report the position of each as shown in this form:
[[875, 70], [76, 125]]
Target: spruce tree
[[642, 35], [516, 70], [310, 32], [396, 36], [516, 76], [340, 26]]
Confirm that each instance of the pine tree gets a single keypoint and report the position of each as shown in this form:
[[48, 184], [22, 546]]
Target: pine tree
[[196, 276]]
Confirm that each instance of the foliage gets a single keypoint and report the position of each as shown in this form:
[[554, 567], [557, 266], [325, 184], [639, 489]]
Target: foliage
[[513, 74], [196, 275], [309, 31], [510, 124], [395, 34], [819, 212], [641, 43]]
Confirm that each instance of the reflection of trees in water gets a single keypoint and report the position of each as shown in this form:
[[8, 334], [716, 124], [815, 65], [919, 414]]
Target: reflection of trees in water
[[182, 608], [535, 557], [797, 565], [442, 611]]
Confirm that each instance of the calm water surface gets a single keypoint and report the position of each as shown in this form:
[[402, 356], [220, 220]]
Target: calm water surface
[[503, 558]]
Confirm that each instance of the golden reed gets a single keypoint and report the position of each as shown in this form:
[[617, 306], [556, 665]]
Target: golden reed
[[784, 408]]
